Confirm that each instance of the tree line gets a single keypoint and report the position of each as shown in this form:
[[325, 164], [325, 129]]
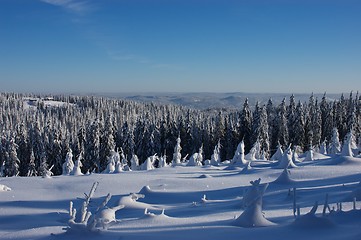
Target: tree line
[[36, 136]]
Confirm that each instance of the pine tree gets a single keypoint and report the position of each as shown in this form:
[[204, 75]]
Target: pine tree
[[32, 168], [282, 129], [12, 162], [260, 131], [335, 146], [246, 125], [107, 144], [92, 153], [23, 148], [272, 125], [291, 119], [299, 127]]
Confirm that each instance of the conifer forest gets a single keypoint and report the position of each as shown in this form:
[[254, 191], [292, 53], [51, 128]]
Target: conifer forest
[[36, 136]]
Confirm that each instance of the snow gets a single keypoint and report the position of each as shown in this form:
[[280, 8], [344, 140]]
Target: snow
[[186, 202], [32, 103]]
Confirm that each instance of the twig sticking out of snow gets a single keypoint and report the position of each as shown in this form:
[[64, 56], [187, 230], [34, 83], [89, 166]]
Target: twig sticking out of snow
[[91, 193], [106, 200], [204, 199], [294, 202]]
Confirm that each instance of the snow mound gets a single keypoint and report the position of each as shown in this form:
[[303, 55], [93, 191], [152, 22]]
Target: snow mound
[[107, 215], [284, 178], [4, 188], [233, 167], [130, 201], [145, 190], [253, 217], [310, 220]]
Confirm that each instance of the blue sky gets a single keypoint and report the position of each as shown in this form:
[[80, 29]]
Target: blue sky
[[180, 46]]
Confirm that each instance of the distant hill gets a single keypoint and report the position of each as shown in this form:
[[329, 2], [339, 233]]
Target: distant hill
[[214, 100]]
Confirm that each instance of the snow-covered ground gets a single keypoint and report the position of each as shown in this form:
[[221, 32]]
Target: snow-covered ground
[[32, 103], [189, 203]]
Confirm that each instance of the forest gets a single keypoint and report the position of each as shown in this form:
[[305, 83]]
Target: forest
[[36, 136]]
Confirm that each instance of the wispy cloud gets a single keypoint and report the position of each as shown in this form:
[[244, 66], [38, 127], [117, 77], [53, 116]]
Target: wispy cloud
[[75, 6]]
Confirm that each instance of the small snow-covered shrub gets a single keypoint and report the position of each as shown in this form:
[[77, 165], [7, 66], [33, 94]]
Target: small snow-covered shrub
[[90, 220]]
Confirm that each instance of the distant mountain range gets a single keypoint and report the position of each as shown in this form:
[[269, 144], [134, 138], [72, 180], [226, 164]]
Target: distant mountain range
[[214, 100]]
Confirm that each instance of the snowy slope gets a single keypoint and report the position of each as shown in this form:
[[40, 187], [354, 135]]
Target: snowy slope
[[198, 203]]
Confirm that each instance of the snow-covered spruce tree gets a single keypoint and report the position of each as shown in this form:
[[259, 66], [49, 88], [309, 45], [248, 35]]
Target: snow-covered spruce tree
[[77, 166], [134, 162], [36, 142], [68, 165], [351, 114], [118, 161], [107, 142], [31, 167], [54, 150], [81, 136], [347, 145], [177, 153], [148, 164], [12, 162], [44, 169], [255, 152], [272, 125], [282, 129], [292, 119], [341, 117], [326, 118], [216, 158], [111, 164], [260, 132], [323, 147], [229, 142], [21, 140], [246, 125], [197, 158], [163, 161], [299, 127], [126, 139], [239, 156], [287, 159], [334, 146], [277, 156], [92, 153]]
